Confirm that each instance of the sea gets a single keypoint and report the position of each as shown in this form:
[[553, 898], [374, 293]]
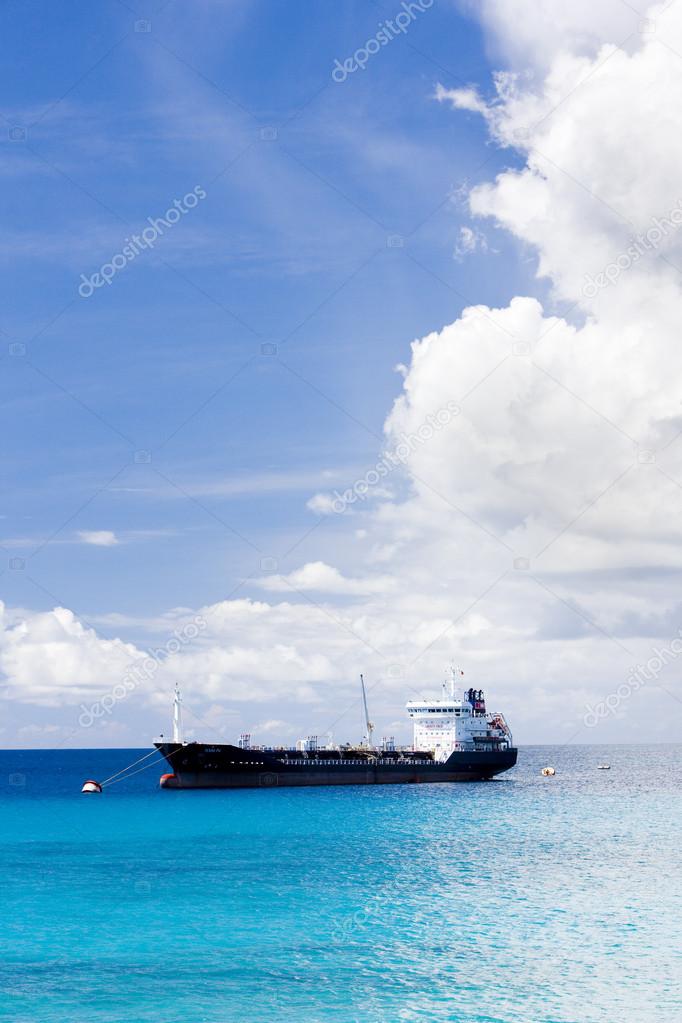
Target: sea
[[521, 900]]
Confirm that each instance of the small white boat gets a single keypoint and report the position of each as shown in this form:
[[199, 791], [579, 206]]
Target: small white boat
[[603, 767]]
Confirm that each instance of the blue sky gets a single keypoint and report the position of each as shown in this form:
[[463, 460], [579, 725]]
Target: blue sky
[[340, 261], [328, 229]]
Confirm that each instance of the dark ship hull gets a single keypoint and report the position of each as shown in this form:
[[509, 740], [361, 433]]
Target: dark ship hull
[[203, 766]]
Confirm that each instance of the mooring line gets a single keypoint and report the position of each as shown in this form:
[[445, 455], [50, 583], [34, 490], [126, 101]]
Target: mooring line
[[124, 769], [114, 779], [139, 770]]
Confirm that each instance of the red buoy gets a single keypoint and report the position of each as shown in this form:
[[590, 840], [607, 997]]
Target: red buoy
[[91, 786]]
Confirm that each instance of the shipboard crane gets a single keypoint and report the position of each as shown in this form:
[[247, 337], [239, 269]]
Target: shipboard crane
[[368, 723]]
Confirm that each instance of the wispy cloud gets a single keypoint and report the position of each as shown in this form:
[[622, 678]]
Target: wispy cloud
[[98, 537], [316, 576]]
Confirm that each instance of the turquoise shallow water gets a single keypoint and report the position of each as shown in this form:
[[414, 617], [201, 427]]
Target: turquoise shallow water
[[524, 899]]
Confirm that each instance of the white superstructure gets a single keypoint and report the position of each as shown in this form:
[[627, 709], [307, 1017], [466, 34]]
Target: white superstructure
[[452, 723]]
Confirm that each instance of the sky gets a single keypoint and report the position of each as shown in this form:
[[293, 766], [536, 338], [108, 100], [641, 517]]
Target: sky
[[339, 338]]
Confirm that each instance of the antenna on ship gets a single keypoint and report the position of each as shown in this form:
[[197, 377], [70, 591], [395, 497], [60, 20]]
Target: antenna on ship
[[370, 726], [177, 717], [453, 679]]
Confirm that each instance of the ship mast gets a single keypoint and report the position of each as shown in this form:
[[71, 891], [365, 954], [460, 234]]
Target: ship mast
[[370, 726], [177, 717]]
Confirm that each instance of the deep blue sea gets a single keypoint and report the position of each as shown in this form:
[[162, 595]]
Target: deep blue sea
[[529, 899]]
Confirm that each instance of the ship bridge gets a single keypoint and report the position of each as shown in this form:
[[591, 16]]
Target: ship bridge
[[450, 723]]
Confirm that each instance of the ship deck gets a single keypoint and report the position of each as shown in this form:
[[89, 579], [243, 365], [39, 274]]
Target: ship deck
[[197, 765]]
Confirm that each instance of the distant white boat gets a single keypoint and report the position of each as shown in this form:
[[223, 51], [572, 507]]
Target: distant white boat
[[603, 767]]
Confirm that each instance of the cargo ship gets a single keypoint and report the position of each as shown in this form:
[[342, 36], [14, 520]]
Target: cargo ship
[[455, 739]]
